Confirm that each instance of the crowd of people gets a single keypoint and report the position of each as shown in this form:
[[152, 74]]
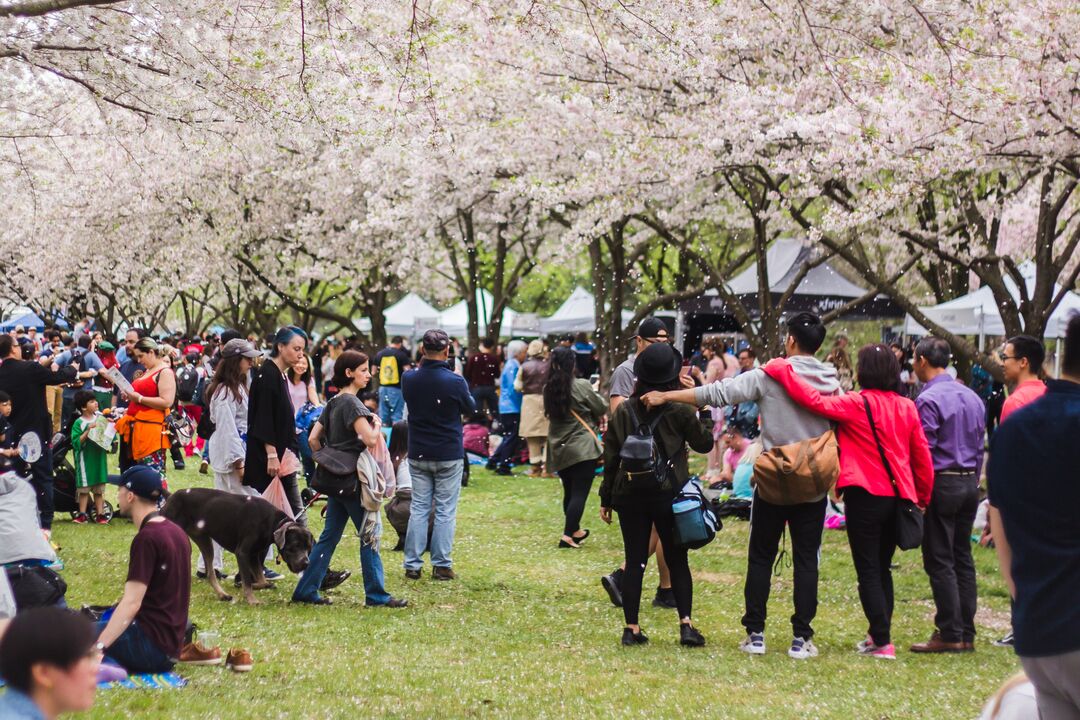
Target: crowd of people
[[900, 439]]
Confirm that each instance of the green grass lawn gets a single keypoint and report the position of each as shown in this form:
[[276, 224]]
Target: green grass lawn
[[526, 631]]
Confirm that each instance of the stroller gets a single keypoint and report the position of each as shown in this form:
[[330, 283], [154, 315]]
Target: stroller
[[65, 495]]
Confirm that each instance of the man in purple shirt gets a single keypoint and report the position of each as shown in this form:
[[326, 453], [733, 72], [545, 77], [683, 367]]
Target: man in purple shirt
[[954, 420]]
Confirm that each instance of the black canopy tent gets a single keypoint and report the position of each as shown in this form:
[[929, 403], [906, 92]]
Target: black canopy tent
[[822, 290]]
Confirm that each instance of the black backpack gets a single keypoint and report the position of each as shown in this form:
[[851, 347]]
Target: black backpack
[[187, 383], [640, 456]]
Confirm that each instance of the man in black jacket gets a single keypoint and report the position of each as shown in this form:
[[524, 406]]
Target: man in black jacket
[[25, 382]]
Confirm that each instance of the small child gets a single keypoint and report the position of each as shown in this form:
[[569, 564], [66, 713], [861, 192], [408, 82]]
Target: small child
[[476, 432], [91, 465], [8, 450]]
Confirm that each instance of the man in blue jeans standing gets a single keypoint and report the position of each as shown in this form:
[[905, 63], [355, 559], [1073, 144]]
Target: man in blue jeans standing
[[436, 398]]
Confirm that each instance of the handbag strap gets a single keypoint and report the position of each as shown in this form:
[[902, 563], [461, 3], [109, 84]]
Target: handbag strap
[[881, 450], [587, 427]]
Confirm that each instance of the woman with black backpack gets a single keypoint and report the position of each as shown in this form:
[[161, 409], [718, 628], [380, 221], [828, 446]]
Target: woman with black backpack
[[574, 411], [641, 483]]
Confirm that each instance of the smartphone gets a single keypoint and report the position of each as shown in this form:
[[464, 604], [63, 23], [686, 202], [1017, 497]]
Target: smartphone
[[684, 370]]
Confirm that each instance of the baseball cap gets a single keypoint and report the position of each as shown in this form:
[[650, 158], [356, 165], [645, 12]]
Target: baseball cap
[[106, 345], [239, 346], [436, 340], [652, 327], [142, 480]]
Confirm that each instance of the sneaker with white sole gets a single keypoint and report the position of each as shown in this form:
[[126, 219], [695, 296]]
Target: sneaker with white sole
[[862, 644], [753, 644], [1006, 641], [883, 652], [801, 649]]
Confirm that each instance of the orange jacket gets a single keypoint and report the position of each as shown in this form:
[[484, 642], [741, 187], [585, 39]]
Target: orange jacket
[[144, 432]]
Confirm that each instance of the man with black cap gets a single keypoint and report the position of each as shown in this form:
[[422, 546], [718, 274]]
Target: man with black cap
[[436, 399], [146, 630]]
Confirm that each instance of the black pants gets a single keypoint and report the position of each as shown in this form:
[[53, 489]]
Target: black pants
[[946, 552], [767, 523], [508, 448], [487, 400], [292, 492], [41, 477], [636, 519], [577, 481], [871, 530]]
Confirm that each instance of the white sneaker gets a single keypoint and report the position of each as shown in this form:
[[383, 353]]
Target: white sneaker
[[863, 644], [801, 649], [754, 644]]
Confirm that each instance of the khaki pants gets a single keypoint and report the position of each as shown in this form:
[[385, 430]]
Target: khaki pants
[[537, 449], [54, 404]]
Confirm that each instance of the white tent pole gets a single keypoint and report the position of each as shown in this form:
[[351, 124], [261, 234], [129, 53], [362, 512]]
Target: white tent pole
[[1057, 357]]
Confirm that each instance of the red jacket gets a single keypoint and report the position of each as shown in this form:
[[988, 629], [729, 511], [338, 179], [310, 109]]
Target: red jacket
[[898, 428]]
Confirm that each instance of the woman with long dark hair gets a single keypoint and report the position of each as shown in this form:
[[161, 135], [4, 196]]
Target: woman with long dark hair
[[227, 402], [645, 501], [884, 457], [574, 412], [399, 508], [271, 448]]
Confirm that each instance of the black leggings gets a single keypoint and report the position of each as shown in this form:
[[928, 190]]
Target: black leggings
[[636, 520], [577, 482], [871, 531]]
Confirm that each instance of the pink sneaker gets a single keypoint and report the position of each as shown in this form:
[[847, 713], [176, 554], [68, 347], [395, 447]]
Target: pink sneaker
[[884, 652]]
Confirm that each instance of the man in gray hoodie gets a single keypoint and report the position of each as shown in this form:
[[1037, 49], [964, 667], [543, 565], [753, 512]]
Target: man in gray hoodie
[[782, 423]]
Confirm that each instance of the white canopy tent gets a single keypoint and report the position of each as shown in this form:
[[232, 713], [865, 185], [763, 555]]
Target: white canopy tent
[[455, 319], [576, 314], [977, 313], [402, 316]]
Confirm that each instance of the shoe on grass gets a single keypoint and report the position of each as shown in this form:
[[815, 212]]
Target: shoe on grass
[[689, 636], [201, 574], [1006, 641], [193, 653], [204, 468], [665, 598], [881, 652], [801, 649], [333, 578], [753, 644], [239, 660], [101, 520], [613, 584], [80, 519], [412, 574], [442, 573], [629, 637], [271, 575]]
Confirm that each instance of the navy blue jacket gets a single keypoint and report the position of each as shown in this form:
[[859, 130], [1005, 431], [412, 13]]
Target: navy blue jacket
[[436, 398], [1034, 480]]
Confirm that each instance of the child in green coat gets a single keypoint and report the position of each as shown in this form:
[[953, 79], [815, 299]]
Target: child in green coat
[[91, 467]]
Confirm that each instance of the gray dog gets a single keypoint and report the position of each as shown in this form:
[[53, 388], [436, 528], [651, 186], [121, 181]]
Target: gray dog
[[245, 526]]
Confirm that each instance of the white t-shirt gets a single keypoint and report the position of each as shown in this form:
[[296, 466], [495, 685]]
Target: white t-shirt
[[404, 478]]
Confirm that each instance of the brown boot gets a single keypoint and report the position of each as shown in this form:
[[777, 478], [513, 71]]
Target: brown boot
[[536, 471], [936, 645]]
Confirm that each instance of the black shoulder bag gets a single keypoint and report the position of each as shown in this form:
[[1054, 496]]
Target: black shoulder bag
[[909, 521], [335, 471]]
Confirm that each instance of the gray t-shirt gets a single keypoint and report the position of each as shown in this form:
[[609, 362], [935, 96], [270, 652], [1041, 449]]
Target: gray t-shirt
[[338, 419], [623, 380]]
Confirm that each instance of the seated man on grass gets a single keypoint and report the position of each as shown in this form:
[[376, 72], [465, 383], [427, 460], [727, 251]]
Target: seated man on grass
[[146, 630]]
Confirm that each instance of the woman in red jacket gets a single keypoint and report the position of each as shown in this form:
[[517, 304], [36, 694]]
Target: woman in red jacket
[[869, 494]]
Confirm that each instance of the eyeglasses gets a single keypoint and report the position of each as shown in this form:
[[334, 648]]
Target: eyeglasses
[[1005, 357]]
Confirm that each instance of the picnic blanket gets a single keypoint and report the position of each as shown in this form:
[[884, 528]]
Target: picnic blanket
[[147, 681]]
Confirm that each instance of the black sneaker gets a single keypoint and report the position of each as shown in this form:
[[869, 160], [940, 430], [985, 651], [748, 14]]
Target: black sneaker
[[272, 575], [490, 465], [613, 584], [689, 636], [333, 578], [629, 637], [1006, 641], [665, 598], [503, 470], [201, 574]]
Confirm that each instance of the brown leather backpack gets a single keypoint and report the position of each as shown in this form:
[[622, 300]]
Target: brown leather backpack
[[797, 473]]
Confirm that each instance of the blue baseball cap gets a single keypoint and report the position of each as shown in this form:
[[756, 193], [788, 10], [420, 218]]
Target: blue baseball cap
[[142, 480]]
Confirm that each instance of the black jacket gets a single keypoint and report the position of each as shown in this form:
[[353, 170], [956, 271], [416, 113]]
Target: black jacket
[[25, 382], [678, 428], [270, 421]]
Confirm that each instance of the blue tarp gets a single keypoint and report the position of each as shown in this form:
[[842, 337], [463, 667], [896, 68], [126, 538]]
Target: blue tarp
[[28, 320]]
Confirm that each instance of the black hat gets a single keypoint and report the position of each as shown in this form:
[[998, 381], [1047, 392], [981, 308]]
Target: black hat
[[436, 340], [658, 364], [652, 327]]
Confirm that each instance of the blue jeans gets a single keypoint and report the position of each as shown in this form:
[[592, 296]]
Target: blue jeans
[[507, 451], [338, 512], [135, 652], [435, 482], [391, 405]]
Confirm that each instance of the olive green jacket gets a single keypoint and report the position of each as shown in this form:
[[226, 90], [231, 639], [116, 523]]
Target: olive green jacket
[[568, 441]]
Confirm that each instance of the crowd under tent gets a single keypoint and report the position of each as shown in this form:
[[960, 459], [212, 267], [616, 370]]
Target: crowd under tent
[[822, 290]]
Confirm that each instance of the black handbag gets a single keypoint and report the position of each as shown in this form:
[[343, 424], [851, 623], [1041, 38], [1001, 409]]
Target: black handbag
[[909, 519], [335, 471], [35, 586]]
